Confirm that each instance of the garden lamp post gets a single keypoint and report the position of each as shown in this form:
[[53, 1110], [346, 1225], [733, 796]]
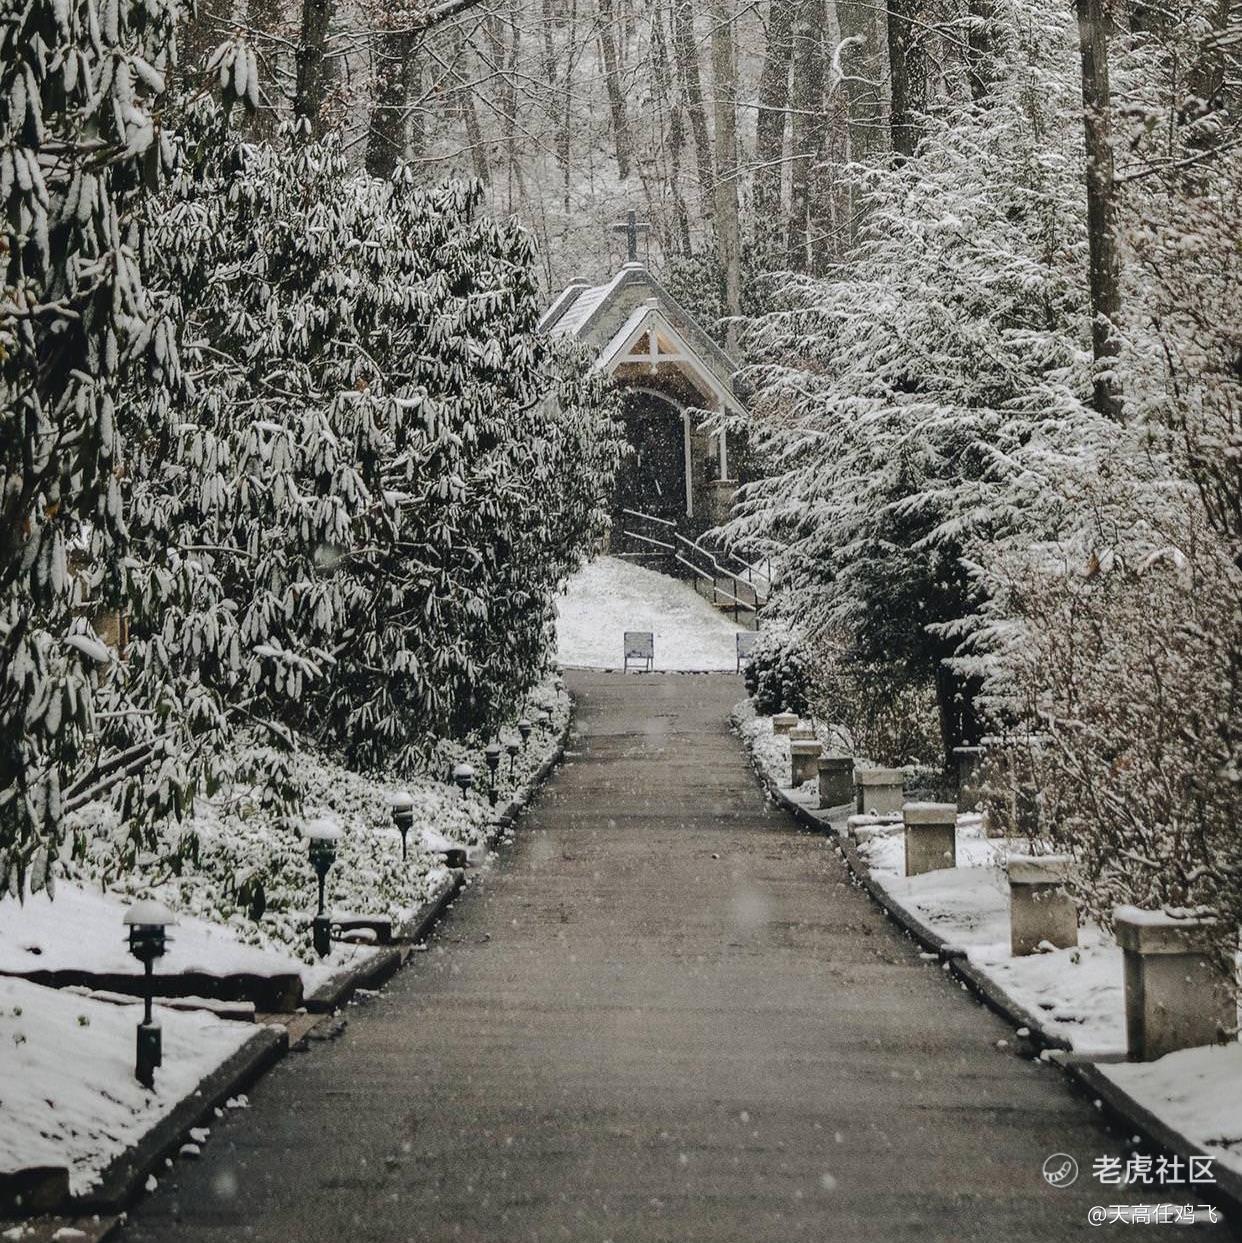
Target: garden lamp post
[[512, 748], [401, 803], [524, 728], [323, 836], [463, 774], [147, 923], [543, 718], [493, 765]]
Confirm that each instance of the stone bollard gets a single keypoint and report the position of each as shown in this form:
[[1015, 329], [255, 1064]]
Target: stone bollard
[[802, 733], [803, 761], [1178, 984], [1040, 911], [931, 837], [969, 791], [836, 780], [879, 789], [783, 722]]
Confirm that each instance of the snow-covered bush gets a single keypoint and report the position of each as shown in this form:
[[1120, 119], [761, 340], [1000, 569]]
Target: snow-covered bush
[[380, 473], [777, 675], [79, 148]]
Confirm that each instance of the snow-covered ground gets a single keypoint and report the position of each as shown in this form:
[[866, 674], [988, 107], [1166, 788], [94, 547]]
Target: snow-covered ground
[[1077, 994], [69, 1093], [609, 596]]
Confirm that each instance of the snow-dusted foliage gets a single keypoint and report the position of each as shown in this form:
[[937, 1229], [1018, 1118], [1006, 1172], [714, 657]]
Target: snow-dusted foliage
[[79, 146], [900, 388], [381, 474]]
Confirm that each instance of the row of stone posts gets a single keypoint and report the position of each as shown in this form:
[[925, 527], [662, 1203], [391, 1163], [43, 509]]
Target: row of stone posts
[[1177, 992]]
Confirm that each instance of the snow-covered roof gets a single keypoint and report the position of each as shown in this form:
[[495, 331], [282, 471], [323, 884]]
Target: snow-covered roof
[[610, 317]]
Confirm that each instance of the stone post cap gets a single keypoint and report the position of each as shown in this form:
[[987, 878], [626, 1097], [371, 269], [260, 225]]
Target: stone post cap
[[929, 813], [804, 732], [1156, 932], [789, 719], [805, 746], [977, 750], [878, 776], [1039, 869], [836, 763]]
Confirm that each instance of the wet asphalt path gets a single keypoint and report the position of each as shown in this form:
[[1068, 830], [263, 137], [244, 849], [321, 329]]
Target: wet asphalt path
[[664, 1014]]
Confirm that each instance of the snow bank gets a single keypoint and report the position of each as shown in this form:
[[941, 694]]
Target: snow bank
[[609, 596], [69, 1093]]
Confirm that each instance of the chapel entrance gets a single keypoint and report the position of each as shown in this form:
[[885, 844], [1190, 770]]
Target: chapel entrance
[[652, 480]]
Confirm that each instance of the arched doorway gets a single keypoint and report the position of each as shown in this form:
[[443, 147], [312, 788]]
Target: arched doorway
[[652, 479]]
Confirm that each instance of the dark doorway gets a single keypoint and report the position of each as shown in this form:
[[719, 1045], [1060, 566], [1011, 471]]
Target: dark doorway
[[653, 479]]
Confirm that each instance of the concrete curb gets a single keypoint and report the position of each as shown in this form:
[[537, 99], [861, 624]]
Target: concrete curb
[[122, 1180], [1118, 1104]]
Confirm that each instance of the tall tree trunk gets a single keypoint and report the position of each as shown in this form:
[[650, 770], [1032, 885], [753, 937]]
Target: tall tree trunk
[[313, 75], [1104, 274], [728, 225], [808, 129], [612, 83], [907, 64], [771, 126], [687, 57], [389, 133], [678, 240]]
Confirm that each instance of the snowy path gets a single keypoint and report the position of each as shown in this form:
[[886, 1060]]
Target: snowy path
[[609, 596], [666, 1015]]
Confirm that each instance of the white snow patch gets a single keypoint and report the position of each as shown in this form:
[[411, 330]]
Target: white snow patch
[[609, 596], [70, 1097], [1197, 1092]]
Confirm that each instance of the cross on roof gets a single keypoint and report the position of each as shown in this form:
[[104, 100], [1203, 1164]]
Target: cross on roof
[[630, 227]]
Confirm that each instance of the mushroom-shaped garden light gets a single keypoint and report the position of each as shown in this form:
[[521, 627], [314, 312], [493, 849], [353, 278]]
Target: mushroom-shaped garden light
[[323, 834], [401, 804], [463, 774], [524, 728], [147, 924]]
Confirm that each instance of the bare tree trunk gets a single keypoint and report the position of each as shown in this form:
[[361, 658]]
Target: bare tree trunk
[[313, 75], [728, 225], [771, 126], [679, 232], [687, 57], [808, 129], [907, 61], [1101, 209], [612, 83], [389, 133]]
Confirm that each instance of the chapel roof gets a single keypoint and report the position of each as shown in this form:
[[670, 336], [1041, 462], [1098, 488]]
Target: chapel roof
[[604, 316]]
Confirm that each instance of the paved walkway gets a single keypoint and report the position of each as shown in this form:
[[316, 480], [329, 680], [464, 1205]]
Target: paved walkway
[[665, 1015]]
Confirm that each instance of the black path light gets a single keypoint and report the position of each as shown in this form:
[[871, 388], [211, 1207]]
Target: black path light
[[148, 939], [401, 803], [524, 728], [463, 774], [493, 766], [323, 835], [512, 748]]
